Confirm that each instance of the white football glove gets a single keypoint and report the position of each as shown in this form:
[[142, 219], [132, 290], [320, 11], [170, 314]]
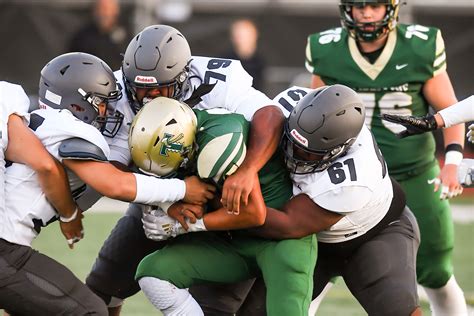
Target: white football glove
[[470, 134], [159, 226], [466, 172]]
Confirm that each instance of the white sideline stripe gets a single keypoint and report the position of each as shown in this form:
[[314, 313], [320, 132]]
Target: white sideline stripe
[[461, 213]]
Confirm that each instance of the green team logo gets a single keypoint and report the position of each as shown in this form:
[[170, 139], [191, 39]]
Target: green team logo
[[171, 143]]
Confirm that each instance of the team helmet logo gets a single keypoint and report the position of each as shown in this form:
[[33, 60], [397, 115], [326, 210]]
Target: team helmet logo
[[145, 79], [299, 138], [171, 143]]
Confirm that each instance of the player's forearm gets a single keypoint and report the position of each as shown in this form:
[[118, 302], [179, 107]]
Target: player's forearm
[[251, 215], [54, 183], [222, 220], [265, 132], [126, 186], [454, 135], [279, 225]]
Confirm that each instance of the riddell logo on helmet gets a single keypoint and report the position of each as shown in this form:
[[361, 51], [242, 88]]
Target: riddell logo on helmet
[[302, 140], [145, 79]]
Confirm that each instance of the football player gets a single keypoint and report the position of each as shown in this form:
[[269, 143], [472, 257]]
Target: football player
[[161, 140], [14, 133], [342, 192], [158, 62], [401, 69], [77, 93]]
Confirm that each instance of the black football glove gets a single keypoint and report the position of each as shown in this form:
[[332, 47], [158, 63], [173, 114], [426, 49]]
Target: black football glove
[[414, 124]]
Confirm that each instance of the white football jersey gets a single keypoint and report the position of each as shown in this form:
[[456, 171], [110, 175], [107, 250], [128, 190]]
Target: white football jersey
[[26, 207], [233, 91], [13, 100], [356, 185]]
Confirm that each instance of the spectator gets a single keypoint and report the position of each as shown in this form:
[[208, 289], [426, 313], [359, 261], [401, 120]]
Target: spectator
[[244, 37], [103, 36]]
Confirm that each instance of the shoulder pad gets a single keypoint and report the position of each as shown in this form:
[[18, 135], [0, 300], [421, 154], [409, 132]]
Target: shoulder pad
[[221, 157], [78, 148]]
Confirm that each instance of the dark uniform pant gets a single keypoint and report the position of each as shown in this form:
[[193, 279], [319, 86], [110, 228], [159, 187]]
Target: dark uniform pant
[[34, 284]]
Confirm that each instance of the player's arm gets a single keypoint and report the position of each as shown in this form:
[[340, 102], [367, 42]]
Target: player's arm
[[316, 82], [265, 131], [251, 215], [182, 218], [51, 175], [439, 92], [89, 163], [299, 217]]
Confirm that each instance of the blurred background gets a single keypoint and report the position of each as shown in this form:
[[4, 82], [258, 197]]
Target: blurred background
[[274, 34], [34, 31]]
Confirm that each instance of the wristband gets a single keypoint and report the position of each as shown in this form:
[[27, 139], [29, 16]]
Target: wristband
[[453, 157], [165, 206], [71, 218], [453, 147]]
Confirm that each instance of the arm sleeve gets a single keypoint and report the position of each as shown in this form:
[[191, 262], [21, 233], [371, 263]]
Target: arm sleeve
[[151, 190], [458, 113]]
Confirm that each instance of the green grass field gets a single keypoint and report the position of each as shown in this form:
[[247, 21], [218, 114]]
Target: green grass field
[[338, 302]]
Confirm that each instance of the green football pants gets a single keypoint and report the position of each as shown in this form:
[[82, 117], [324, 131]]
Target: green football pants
[[434, 264], [287, 266]]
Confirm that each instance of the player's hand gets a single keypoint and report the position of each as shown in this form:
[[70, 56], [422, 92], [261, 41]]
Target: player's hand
[[448, 182], [73, 231], [185, 213], [470, 133], [466, 173], [198, 192], [414, 124], [158, 226], [237, 188]]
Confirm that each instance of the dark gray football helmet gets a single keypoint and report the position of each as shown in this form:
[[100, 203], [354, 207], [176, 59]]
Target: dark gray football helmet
[[80, 83], [156, 57], [323, 125]]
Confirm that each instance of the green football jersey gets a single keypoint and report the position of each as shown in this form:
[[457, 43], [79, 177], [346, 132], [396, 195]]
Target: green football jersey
[[221, 140], [393, 84]]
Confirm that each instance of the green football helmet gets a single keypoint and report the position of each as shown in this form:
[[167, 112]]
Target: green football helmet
[[357, 29], [161, 139]]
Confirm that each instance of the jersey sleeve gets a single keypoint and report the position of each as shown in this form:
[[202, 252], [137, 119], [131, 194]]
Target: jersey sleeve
[[309, 57], [287, 99], [439, 64], [13, 100], [233, 90]]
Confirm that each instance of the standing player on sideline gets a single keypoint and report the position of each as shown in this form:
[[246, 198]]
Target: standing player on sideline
[[401, 69], [77, 94], [158, 62]]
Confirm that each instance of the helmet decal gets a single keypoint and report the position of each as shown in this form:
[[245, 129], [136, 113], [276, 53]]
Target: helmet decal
[[299, 138], [171, 143], [145, 79]]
